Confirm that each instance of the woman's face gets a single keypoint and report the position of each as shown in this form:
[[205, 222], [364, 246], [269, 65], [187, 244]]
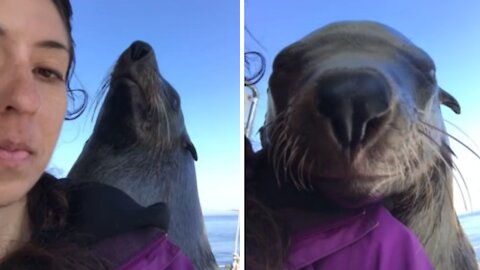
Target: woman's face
[[33, 67]]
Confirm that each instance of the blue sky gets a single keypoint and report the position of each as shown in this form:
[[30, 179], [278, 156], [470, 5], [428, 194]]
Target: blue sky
[[197, 45], [449, 31]]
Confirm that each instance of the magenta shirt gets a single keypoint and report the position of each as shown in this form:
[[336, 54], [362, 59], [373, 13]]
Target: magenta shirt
[[159, 255], [370, 240]]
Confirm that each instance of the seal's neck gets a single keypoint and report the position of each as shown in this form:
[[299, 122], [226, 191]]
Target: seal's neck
[[427, 209]]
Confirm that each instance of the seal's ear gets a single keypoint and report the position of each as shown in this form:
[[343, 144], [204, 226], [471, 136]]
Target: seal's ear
[[449, 101], [190, 147]]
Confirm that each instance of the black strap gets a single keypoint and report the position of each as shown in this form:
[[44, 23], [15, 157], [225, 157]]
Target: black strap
[[103, 211]]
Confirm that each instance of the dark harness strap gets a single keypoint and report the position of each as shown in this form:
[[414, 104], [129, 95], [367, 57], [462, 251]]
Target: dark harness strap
[[100, 211]]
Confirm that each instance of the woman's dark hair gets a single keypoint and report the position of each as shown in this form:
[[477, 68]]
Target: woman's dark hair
[[266, 236], [52, 246], [64, 8]]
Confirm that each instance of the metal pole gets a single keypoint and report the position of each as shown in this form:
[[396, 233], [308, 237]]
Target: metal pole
[[253, 107]]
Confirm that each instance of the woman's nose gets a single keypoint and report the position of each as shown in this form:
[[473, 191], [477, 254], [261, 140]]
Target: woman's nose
[[18, 91]]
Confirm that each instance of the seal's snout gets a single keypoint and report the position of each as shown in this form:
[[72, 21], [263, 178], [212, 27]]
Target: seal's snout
[[139, 50], [357, 105]]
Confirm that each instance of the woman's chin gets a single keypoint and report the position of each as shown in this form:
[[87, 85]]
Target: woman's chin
[[15, 184]]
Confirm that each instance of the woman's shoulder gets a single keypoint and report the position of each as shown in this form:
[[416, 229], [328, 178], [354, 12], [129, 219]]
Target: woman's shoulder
[[159, 255], [145, 249]]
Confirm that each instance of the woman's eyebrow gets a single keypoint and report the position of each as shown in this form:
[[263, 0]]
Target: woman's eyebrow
[[52, 44], [48, 44]]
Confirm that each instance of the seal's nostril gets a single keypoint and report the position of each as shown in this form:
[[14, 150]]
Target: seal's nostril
[[139, 49], [357, 104]]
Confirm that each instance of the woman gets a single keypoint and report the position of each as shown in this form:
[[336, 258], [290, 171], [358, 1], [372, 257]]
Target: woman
[[36, 63], [36, 54]]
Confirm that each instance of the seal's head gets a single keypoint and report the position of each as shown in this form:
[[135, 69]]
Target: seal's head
[[354, 112], [141, 107], [140, 145]]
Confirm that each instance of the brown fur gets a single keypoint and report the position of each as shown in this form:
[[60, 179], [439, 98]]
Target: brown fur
[[140, 145], [403, 158]]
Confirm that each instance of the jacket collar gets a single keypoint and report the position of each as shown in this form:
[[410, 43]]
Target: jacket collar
[[327, 238]]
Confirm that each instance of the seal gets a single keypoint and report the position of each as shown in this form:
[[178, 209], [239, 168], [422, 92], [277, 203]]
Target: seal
[[354, 116], [140, 145]]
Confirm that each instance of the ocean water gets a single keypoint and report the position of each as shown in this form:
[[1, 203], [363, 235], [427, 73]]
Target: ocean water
[[471, 225], [221, 229]]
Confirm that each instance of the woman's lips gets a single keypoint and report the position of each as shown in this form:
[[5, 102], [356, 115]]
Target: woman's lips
[[12, 155]]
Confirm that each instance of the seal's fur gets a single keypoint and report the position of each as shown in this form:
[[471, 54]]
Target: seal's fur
[[354, 115], [141, 146]]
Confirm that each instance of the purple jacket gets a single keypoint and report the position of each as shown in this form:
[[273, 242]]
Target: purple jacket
[[370, 240], [136, 250], [159, 255]]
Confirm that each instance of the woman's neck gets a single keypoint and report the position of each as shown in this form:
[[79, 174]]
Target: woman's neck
[[14, 226]]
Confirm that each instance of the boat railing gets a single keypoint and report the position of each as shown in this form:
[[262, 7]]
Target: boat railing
[[250, 102]]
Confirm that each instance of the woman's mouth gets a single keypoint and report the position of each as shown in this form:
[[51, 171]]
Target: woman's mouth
[[14, 154]]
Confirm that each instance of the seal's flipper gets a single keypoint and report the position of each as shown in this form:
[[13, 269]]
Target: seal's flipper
[[449, 101]]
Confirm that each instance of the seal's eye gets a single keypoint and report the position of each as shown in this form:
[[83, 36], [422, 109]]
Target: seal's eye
[[175, 104], [425, 65], [430, 76]]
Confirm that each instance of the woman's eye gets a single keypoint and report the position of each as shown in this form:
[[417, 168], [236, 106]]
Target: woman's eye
[[49, 74]]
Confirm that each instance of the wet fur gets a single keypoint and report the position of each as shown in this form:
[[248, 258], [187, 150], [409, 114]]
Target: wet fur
[[144, 150], [411, 150]]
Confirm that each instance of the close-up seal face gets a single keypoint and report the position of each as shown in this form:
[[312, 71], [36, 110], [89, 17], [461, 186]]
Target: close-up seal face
[[354, 113]]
